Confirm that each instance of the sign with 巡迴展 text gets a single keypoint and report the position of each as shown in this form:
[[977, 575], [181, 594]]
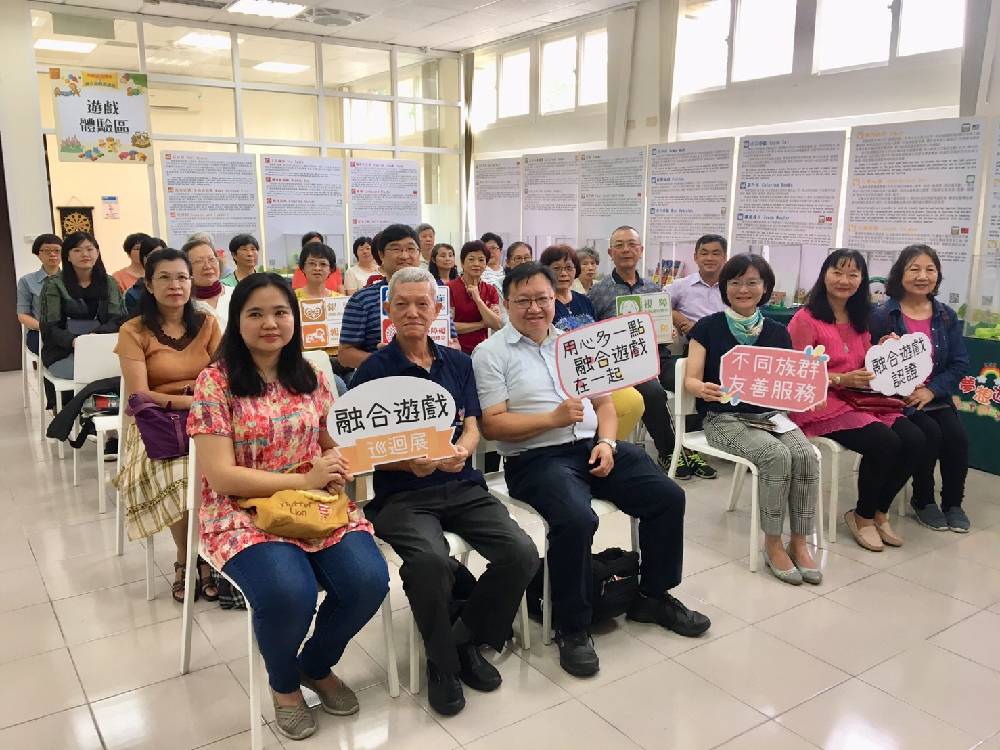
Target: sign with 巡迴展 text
[[393, 419]]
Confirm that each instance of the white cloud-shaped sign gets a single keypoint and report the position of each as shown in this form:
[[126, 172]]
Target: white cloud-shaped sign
[[900, 364], [390, 405]]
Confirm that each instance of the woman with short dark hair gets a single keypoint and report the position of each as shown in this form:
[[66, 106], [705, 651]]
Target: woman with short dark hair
[[246, 254], [364, 267], [48, 249], [788, 469], [258, 421], [836, 315], [913, 284], [475, 304]]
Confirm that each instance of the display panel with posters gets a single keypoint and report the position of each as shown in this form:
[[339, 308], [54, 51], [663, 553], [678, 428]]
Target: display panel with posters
[[551, 199], [101, 115], [209, 192], [982, 314], [497, 189], [787, 196], [383, 192], [916, 182], [301, 194], [612, 183]]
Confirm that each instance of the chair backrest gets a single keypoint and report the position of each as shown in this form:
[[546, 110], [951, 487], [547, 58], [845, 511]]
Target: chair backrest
[[321, 361], [94, 357], [683, 401]]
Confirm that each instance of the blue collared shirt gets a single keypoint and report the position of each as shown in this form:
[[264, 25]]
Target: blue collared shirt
[[362, 324], [29, 293], [451, 369], [604, 292], [511, 367]]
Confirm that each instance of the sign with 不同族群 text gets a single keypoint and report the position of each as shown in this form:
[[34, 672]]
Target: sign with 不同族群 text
[[775, 378], [321, 321], [101, 115], [393, 419], [900, 364], [603, 357]]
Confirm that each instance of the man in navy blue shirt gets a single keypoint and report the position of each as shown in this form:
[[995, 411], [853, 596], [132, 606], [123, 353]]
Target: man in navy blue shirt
[[416, 500]]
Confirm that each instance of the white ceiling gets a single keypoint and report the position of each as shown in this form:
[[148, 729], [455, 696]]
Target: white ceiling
[[438, 24]]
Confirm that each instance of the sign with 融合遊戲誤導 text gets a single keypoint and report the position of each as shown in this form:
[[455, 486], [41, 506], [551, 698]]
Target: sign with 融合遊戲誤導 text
[[393, 419]]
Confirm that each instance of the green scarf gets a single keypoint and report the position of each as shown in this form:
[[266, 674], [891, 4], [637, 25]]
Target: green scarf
[[744, 329]]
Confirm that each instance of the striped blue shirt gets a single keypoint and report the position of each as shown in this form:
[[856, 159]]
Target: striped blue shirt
[[362, 325]]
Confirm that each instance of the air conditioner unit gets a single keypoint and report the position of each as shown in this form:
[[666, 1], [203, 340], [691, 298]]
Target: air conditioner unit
[[177, 100]]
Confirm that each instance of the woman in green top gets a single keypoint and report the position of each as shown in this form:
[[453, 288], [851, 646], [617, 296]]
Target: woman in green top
[[82, 298], [246, 252]]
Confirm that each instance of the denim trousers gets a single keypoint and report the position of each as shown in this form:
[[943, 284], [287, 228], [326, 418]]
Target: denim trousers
[[281, 581]]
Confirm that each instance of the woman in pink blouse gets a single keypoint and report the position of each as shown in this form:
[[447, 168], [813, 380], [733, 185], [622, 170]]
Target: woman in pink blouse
[[836, 315], [258, 420]]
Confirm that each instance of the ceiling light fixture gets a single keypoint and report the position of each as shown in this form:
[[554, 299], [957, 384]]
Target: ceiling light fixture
[[280, 67], [65, 45], [267, 8], [154, 60], [218, 42]]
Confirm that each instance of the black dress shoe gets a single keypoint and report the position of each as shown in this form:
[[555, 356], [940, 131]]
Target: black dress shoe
[[669, 613], [475, 671], [576, 653], [444, 691]]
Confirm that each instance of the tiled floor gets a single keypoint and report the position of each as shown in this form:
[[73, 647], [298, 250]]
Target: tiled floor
[[896, 650]]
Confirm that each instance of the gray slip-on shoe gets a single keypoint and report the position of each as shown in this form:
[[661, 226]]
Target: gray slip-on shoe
[[930, 516]]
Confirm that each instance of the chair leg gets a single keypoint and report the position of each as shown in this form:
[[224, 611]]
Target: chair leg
[[831, 525], [525, 625], [150, 567], [820, 536], [634, 529], [754, 523], [41, 402], [190, 573], [546, 600], [256, 733], [102, 500], [414, 657], [736, 489], [902, 500], [392, 670], [59, 408]]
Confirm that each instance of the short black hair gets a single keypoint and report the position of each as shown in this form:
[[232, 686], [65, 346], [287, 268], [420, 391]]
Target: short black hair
[[294, 372], [739, 265], [707, 238], [392, 233], [318, 250], [308, 237], [132, 240], [859, 306], [240, 240], [487, 236], [559, 252], [473, 246], [515, 245], [148, 245], [522, 273], [894, 284], [359, 242], [45, 239]]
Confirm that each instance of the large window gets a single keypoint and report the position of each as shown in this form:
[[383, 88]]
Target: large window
[[765, 39], [594, 68], [702, 51], [483, 111], [515, 83], [557, 91], [929, 25], [851, 32]]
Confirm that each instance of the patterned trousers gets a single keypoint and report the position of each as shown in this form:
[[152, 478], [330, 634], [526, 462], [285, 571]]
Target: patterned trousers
[[788, 470]]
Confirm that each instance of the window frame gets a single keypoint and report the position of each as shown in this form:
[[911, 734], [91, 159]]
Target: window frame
[[498, 61]]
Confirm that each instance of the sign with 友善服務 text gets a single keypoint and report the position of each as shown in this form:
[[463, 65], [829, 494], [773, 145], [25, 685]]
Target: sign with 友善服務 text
[[393, 419], [900, 364], [775, 378], [603, 357]]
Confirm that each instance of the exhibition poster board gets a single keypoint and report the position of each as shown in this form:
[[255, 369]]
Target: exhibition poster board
[[551, 199], [612, 186], [916, 182], [300, 194], [209, 192], [497, 189], [383, 192]]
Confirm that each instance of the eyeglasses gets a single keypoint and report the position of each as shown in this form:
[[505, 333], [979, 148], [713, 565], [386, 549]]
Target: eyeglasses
[[319, 264], [751, 284], [404, 250], [567, 268], [525, 303], [631, 245], [183, 278]]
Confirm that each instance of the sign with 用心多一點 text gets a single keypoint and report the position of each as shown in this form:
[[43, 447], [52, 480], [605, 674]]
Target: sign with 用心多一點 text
[[393, 419], [774, 378], [603, 357]]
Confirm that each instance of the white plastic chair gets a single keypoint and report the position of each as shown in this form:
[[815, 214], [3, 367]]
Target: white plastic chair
[[321, 361], [256, 662], [123, 421], [684, 404], [836, 449], [27, 360]]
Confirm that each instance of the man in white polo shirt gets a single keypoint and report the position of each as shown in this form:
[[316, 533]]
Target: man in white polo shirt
[[559, 453]]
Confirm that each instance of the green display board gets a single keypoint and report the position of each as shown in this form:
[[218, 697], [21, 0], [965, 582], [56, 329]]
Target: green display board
[[978, 403]]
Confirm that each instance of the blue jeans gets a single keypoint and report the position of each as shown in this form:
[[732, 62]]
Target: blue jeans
[[280, 582]]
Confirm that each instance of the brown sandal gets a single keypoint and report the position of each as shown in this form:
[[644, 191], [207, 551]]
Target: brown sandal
[[206, 582], [177, 588]]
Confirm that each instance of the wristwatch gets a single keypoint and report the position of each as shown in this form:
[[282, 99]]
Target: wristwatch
[[613, 444], [836, 379]]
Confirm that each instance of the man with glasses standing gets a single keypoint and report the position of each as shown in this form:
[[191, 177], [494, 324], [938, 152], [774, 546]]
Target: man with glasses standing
[[559, 453], [625, 250], [396, 246]]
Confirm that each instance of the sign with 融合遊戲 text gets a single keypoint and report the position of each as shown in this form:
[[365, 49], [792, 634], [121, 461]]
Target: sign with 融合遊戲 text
[[900, 364]]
